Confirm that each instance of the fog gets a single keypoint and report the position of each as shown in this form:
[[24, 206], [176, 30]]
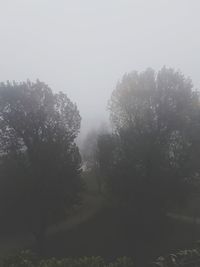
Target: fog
[[87, 181], [84, 47]]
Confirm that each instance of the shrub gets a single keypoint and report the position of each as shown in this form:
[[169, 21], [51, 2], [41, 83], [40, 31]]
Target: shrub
[[28, 259], [187, 257]]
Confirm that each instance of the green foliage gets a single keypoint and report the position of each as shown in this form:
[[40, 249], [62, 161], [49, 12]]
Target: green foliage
[[122, 262], [188, 257], [27, 259], [23, 259], [40, 162], [149, 158]]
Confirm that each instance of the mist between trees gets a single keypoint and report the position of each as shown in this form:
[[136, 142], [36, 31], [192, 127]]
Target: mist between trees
[[145, 165]]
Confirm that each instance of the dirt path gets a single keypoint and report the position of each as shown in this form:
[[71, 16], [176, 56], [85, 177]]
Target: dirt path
[[91, 205]]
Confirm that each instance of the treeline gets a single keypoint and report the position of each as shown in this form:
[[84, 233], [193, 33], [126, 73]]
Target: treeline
[[148, 163]]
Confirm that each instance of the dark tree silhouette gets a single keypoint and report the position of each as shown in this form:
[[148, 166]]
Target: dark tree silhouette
[[40, 162], [152, 116]]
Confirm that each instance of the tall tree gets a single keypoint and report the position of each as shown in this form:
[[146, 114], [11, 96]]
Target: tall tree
[[152, 115], [40, 161]]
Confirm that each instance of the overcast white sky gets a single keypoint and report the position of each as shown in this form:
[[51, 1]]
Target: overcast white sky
[[83, 47]]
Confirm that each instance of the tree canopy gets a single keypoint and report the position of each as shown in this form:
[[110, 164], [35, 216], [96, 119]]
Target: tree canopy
[[153, 116], [40, 162]]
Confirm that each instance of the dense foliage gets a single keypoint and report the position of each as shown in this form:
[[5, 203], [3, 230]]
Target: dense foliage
[[152, 154], [40, 162], [187, 257]]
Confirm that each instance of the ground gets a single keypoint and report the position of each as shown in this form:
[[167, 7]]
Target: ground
[[99, 229], [110, 236]]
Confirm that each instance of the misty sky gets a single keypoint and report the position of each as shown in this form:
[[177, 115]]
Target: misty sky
[[83, 47]]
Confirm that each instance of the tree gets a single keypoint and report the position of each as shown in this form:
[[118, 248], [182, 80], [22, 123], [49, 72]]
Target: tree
[[90, 154], [106, 145], [40, 161], [89, 150], [152, 116]]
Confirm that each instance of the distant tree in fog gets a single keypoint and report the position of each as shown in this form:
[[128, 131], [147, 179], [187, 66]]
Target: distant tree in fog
[[90, 153], [40, 162], [89, 149]]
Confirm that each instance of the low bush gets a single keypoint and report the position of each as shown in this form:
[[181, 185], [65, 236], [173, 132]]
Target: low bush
[[187, 257], [28, 259], [182, 258]]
